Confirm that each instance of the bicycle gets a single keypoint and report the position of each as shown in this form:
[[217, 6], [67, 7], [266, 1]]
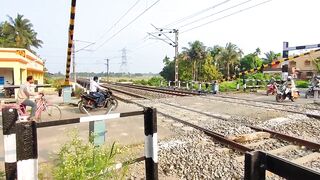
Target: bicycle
[[44, 111]]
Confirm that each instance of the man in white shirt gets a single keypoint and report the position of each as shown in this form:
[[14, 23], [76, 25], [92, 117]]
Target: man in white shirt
[[94, 87], [24, 94]]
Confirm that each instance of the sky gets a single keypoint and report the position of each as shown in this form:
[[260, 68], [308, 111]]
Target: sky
[[97, 24]]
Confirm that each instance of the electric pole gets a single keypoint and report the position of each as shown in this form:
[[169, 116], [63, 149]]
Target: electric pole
[[176, 69], [173, 44], [107, 69]]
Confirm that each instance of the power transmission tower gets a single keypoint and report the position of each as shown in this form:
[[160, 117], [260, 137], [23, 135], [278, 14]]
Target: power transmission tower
[[124, 63], [172, 43]]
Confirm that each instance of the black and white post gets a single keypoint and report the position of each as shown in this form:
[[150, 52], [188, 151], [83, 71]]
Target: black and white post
[[150, 143], [27, 150], [9, 118]]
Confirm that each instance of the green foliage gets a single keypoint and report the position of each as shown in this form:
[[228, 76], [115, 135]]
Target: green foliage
[[2, 175], [271, 56], [168, 70], [18, 33], [57, 83], [210, 72], [302, 84], [154, 81], [250, 61], [78, 92], [80, 160], [228, 86]]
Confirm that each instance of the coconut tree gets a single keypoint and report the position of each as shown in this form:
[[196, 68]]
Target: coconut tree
[[196, 53], [271, 56], [229, 56], [19, 33]]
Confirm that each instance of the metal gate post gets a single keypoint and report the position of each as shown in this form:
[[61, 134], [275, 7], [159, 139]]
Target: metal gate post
[[9, 118], [150, 143], [253, 166], [27, 150]]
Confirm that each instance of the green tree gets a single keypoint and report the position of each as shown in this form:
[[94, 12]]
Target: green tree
[[215, 51], [271, 56], [18, 33], [168, 70], [196, 53], [250, 61], [228, 58], [210, 72]]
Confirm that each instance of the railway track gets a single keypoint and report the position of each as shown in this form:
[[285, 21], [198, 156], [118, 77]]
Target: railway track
[[256, 139], [296, 109], [226, 131]]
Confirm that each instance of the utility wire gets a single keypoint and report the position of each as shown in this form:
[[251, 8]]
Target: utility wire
[[127, 12], [226, 16], [137, 17], [200, 19], [197, 13], [160, 39], [159, 29]]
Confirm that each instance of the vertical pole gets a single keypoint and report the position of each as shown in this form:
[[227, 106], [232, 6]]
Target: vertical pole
[[284, 66], [27, 150], [74, 62], [187, 85], [108, 70], [150, 143], [70, 40], [253, 168], [179, 83], [238, 86], [176, 69], [9, 118], [169, 83]]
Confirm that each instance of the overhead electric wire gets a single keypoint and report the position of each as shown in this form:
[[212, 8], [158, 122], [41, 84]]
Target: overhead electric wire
[[159, 29], [197, 13], [137, 17], [200, 19], [160, 39], [127, 12], [226, 16]]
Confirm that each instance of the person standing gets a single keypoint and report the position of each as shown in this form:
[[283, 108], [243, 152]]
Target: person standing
[[24, 94]]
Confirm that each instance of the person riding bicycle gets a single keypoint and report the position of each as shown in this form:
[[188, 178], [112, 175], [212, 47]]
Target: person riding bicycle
[[24, 94], [94, 87]]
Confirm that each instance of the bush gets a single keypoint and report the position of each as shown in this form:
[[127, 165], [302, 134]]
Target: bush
[[156, 81], [78, 92], [57, 83], [79, 160], [302, 84], [228, 86]]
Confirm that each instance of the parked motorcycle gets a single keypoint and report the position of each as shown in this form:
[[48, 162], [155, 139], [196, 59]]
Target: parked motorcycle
[[271, 89], [310, 92], [88, 102], [284, 92]]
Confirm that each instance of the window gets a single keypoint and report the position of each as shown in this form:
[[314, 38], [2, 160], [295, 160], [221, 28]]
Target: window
[[309, 74], [293, 63], [307, 63]]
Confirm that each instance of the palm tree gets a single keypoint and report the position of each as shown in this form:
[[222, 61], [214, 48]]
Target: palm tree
[[18, 32], [229, 56], [271, 56], [196, 53], [215, 51]]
